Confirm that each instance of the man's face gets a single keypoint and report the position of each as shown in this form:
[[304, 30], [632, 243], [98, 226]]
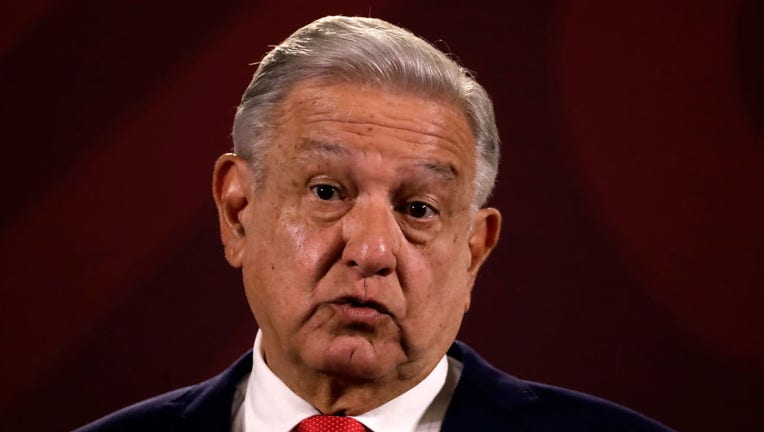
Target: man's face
[[359, 250]]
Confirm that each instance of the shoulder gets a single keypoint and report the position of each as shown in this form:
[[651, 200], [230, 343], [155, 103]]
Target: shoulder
[[204, 406], [500, 401], [562, 406], [155, 414]]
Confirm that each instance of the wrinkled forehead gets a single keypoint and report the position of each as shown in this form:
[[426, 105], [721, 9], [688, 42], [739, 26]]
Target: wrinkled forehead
[[415, 116]]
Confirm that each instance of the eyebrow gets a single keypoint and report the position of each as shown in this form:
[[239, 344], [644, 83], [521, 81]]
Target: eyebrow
[[310, 149], [442, 170]]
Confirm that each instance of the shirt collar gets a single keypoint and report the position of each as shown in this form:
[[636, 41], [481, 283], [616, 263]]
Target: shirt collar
[[269, 405], [405, 412]]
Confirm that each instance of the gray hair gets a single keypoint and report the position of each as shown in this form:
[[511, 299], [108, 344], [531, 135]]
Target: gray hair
[[373, 52]]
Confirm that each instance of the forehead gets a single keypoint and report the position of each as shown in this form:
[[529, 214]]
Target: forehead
[[328, 118]]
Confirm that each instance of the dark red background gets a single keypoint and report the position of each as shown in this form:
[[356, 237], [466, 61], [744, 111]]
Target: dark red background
[[632, 185]]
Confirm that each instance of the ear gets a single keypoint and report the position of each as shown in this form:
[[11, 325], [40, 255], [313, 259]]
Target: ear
[[484, 235], [232, 184]]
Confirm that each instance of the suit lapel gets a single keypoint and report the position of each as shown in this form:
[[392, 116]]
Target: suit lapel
[[485, 397], [208, 407]]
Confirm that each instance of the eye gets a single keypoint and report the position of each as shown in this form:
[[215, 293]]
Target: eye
[[326, 192], [419, 209]]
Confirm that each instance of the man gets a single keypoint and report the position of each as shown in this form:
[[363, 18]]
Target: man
[[354, 205]]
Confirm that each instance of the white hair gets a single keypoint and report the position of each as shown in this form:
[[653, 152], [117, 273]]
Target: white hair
[[372, 52]]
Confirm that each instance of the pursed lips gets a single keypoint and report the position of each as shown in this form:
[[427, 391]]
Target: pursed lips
[[354, 309]]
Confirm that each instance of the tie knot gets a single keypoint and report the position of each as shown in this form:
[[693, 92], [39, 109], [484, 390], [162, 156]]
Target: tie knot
[[329, 423]]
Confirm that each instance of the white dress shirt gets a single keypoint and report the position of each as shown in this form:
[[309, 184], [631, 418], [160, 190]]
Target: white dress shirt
[[264, 403]]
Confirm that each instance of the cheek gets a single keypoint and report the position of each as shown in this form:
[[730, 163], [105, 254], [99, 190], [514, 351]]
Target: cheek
[[276, 277], [439, 284], [296, 252], [297, 239]]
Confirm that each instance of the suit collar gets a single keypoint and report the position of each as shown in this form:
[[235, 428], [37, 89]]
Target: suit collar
[[208, 406], [483, 392]]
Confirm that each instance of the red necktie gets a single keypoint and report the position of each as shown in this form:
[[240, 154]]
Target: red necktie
[[329, 423]]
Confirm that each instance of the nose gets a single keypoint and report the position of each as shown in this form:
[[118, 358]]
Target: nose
[[372, 238]]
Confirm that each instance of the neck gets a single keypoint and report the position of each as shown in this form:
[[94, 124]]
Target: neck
[[337, 395], [332, 394]]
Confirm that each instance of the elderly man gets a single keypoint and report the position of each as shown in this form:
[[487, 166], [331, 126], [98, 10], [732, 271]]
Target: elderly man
[[354, 206]]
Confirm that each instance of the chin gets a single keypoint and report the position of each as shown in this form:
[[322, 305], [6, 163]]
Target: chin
[[355, 358]]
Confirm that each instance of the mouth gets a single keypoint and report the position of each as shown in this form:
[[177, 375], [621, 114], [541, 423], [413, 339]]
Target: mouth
[[354, 311]]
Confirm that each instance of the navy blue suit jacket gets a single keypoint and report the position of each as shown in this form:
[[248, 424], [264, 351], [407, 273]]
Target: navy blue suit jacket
[[485, 399]]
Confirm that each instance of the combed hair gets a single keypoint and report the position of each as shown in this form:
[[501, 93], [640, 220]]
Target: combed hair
[[367, 51]]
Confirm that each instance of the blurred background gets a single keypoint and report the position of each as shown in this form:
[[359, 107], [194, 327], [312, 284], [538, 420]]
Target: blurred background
[[632, 186]]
